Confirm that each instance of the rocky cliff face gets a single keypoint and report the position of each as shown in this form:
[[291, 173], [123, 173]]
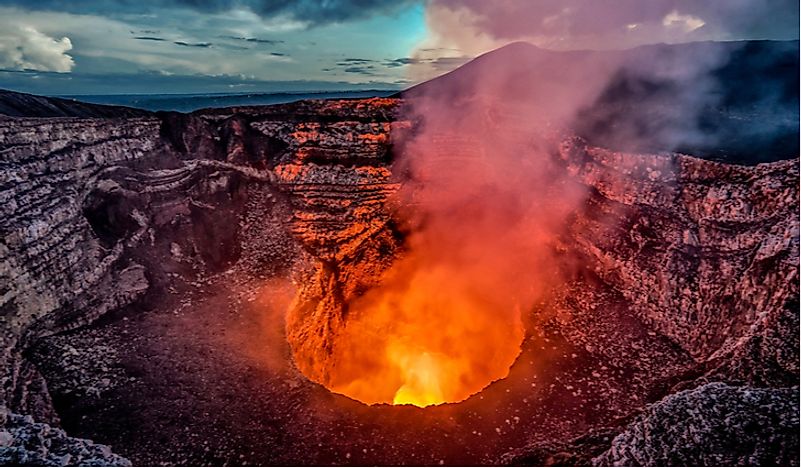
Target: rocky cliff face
[[687, 270], [58, 272], [702, 251]]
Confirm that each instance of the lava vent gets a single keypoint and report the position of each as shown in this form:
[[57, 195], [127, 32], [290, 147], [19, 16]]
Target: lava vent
[[420, 339], [423, 339]]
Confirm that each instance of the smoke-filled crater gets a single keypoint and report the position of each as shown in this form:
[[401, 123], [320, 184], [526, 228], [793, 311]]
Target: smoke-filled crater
[[419, 341], [504, 265], [431, 307]]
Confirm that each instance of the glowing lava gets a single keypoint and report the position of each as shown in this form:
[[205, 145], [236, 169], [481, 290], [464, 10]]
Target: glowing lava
[[424, 337], [421, 374]]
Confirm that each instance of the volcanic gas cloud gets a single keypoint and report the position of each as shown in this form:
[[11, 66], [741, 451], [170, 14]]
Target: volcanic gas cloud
[[480, 209], [447, 318]]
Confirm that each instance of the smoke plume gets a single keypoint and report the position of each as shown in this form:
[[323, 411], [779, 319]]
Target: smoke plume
[[487, 203], [483, 204]]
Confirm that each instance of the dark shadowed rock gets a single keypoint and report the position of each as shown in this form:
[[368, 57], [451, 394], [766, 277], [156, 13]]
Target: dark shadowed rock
[[713, 425], [577, 452], [24, 442]]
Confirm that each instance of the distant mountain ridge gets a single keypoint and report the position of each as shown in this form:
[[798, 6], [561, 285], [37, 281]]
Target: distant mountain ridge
[[194, 102], [745, 110], [14, 104]]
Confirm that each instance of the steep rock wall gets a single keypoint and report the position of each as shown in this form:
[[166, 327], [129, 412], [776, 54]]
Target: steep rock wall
[[702, 250], [88, 207]]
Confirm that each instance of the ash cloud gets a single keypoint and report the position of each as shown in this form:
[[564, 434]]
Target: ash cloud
[[487, 201]]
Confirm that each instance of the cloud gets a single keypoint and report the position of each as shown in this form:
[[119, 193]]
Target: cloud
[[356, 60], [193, 44], [150, 38], [570, 24], [449, 63], [686, 22], [25, 48], [254, 40], [368, 70], [307, 12], [428, 63], [372, 67], [403, 61]]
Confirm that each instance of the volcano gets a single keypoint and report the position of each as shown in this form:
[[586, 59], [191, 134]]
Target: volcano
[[463, 273]]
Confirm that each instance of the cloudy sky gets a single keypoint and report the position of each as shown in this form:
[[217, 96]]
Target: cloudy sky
[[191, 46]]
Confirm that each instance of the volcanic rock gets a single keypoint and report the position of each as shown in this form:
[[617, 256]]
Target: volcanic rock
[[24, 442], [712, 425]]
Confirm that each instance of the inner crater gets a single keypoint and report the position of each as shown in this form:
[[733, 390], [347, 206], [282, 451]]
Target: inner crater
[[421, 337], [420, 283]]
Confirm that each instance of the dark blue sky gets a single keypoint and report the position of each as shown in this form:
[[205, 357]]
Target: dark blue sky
[[191, 46]]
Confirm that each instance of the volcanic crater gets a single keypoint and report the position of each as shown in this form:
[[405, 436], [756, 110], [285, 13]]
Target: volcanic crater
[[250, 286]]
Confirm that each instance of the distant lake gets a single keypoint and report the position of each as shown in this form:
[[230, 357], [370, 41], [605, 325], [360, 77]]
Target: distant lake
[[192, 102]]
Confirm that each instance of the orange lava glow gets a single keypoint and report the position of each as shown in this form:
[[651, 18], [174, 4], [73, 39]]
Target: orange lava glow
[[425, 337], [446, 319]]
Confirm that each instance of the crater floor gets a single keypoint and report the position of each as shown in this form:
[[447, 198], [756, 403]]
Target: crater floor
[[203, 376]]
